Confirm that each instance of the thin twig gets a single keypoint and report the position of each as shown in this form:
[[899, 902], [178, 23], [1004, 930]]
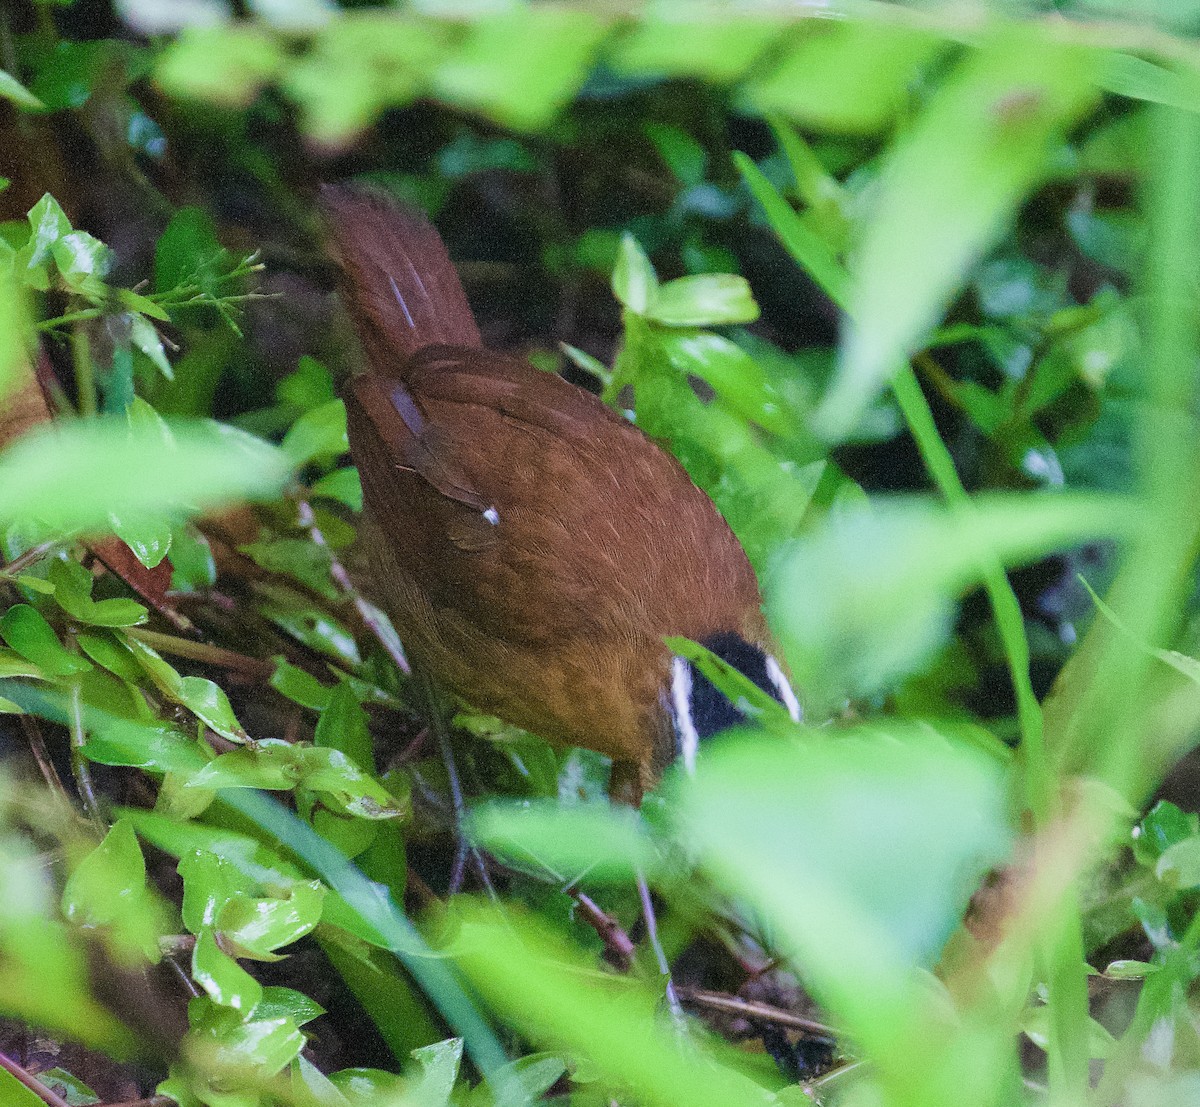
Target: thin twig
[[366, 610], [31, 1082], [79, 764], [659, 953], [611, 933], [22, 561], [750, 1009], [37, 746]]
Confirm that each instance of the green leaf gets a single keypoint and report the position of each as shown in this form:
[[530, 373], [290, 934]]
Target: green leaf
[[527, 1079], [49, 223], [738, 688], [108, 889], [342, 485], [280, 1002], [522, 65], [142, 747], [810, 251], [71, 1088], [12, 1091], [73, 593], [300, 687], [149, 538], [870, 594], [250, 1050], [83, 262], [226, 64], [319, 434], [849, 75], [675, 44], [208, 702], [535, 981], [947, 190], [145, 338], [11, 89], [300, 558], [861, 849], [188, 252], [76, 476], [607, 843], [432, 1085], [343, 726], [225, 981], [256, 927], [704, 300], [360, 64], [33, 638], [633, 281]]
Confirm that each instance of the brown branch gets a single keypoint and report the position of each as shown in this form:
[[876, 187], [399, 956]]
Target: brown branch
[[611, 933], [750, 1009], [31, 1082]]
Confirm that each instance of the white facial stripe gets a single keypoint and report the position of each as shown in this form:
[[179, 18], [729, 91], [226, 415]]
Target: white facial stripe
[[784, 688], [681, 698]]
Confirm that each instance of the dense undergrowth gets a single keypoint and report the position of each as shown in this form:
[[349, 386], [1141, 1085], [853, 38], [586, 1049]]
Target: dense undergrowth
[[912, 293]]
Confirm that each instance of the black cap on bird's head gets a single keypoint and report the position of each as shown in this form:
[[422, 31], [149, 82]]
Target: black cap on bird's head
[[699, 709]]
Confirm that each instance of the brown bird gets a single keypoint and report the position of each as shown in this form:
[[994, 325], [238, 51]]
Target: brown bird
[[533, 547]]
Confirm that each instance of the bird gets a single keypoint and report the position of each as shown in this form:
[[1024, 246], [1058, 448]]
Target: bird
[[532, 546]]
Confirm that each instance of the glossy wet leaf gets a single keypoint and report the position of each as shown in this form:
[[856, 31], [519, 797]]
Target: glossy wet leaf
[[209, 703], [257, 926], [107, 889], [221, 977], [278, 1002], [158, 748], [83, 262]]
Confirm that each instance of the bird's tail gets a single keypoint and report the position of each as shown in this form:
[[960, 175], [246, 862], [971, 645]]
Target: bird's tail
[[398, 282]]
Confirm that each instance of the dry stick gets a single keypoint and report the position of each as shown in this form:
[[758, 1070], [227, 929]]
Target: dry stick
[[32, 1083], [610, 931], [762, 1012]]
